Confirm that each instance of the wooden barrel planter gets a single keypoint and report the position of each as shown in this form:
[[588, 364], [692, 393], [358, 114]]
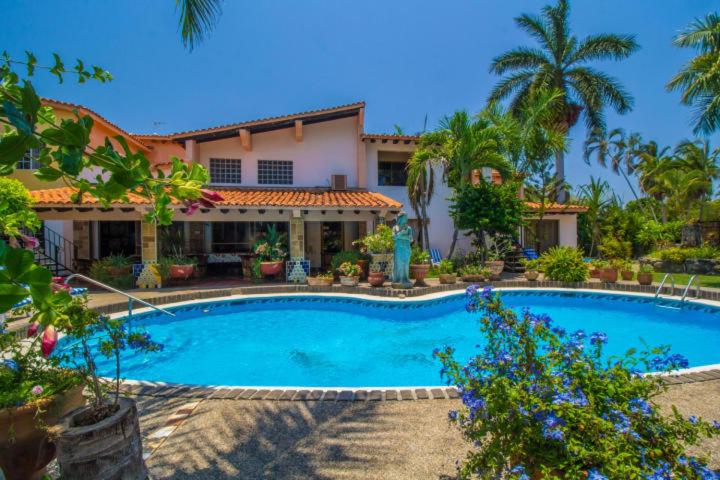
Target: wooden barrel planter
[[108, 449]]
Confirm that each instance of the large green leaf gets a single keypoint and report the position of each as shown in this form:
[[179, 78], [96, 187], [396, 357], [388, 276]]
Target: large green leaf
[[17, 118], [10, 294], [13, 147], [18, 262]]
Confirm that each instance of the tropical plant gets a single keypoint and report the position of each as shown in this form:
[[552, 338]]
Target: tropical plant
[[560, 63], [446, 267], [475, 270], [352, 256], [349, 269], [532, 265], [596, 196], [615, 248], [699, 79], [379, 242], [117, 260], [105, 272], [196, 19], [654, 234], [421, 186], [543, 188], [538, 402], [325, 276], [418, 256], [700, 162], [646, 268], [564, 264], [270, 247]]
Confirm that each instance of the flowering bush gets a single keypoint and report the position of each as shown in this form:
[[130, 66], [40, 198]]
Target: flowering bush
[[540, 402], [349, 269], [271, 246]]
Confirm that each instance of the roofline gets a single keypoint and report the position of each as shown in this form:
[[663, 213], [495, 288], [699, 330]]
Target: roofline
[[67, 106], [272, 123], [390, 137]]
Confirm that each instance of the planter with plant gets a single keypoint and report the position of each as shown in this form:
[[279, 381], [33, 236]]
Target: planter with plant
[[101, 440], [270, 251], [495, 263], [376, 277], [379, 246], [419, 265], [626, 270], [539, 402], [349, 274], [182, 267], [118, 264], [474, 273], [321, 279], [594, 268], [352, 256], [35, 392], [564, 264], [609, 273], [532, 269], [446, 272], [119, 277], [645, 274]]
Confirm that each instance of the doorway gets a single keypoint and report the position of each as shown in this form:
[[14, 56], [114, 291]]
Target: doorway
[[547, 230]]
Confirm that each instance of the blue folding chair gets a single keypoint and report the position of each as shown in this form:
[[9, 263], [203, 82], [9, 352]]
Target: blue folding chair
[[435, 256], [530, 254]]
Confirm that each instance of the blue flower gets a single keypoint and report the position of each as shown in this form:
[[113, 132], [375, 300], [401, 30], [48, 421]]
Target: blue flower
[[473, 403], [578, 398], [559, 331], [551, 426], [579, 335], [487, 293], [598, 338], [716, 425], [663, 472], [453, 415], [640, 406], [471, 290], [520, 473], [621, 422], [594, 474], [693, 419], [669, 362]]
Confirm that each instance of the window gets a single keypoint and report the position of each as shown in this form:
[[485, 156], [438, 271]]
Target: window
[[275, 172], [392, 168], [29, 161], [225, 170], [239, 237]]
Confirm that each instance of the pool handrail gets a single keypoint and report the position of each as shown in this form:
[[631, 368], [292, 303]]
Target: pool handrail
[[130, 298], [689, 284], [662, 284]]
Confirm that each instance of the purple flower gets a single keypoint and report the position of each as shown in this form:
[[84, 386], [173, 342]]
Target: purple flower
[[594, 474], [640, 406], [519, 472], [453, 415], [693, 419], [598, 338], [36, 390], [559, 331], [471, 290]]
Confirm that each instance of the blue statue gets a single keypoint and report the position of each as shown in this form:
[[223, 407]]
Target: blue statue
[[403, 236]]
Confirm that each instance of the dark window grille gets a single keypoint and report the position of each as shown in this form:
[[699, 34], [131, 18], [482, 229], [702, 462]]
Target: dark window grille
[[275, 172], [225, 170]]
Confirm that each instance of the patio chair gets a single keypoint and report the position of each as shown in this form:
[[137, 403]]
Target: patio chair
[[530, 254], [435, 256]]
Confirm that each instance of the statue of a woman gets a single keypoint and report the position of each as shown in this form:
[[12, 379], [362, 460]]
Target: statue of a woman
[[402, 235]]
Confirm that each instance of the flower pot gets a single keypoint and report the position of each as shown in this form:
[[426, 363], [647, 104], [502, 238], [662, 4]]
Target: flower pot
[[626, 274], [419, 272], [26, 452], [108, 449], [349, 281], [595, 273], [496, 268], [120, 271], [447, 278], [271, 268], [473, 278], [609, 275], [319, 281], [532, 275], [645, 278], [376, 279], [181, 272]]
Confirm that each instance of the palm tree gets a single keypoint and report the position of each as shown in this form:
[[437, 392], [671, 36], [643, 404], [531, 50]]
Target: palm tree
[[596, 197], [652, 166], [462, 145], [421, 186], [197, 18], [699, 79], [700, 163], [560, 63]]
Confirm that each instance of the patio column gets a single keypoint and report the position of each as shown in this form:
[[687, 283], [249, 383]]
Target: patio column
[[148, 237], [297, 235]]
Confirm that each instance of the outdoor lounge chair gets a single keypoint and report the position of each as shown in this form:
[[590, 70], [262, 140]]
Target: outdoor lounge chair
[[530, 254], [435, 256]]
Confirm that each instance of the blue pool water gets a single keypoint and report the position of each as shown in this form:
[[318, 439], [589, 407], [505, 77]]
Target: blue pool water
[[331, 341]]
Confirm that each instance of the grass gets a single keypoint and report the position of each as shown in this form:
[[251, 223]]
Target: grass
[[681, 279]]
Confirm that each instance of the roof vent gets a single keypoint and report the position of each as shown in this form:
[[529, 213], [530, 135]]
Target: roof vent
[[338, 182]]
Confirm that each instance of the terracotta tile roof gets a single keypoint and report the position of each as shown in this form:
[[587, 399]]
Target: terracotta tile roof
[[248, 197], [558, 207], [389, 136], [257, 122], [51, 102]]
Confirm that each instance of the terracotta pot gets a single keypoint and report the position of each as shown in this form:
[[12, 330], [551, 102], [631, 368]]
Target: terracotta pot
[[496, 268], [419, 272], [119, 271], [349, 281], [447, 278], [626, 274], [376, 279], [363, 268], [26, 452], [271, 268], [645, 278], [319, 281], [595, 273], [181, 272], [473, 278], [108, 449], [609, 275], [532, 275]]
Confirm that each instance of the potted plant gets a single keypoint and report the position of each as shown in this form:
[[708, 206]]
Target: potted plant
[[118, 264], [270, 251], [474, 273], [495, 264], [532, 269], [645, 274], [419, 265], [594, 268], [35, 392], [609, 272], [102, 439], [352, 256], [321, 279], [446, 272], [376, 277], [379, 246], [349, 274], [180, 267], [626, 271]]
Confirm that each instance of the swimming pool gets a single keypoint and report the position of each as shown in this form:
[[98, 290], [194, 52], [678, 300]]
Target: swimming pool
[[341, 341]]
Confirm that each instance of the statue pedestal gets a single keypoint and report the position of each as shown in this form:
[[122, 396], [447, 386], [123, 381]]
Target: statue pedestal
[[401, 286]]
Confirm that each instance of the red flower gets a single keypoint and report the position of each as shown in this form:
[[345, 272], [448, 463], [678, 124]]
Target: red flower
[[33, 329], [49, 340], [211, 195], [191, 207]]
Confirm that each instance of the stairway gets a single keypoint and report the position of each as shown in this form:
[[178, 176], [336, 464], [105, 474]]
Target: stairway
[[54, 252], [513, 262]]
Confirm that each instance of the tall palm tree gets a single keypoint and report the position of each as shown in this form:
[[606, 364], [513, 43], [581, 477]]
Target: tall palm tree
[[196, 19], [560, 63], [421, 186], [596, 197], [699, 79], [700, 162], [652, 166]]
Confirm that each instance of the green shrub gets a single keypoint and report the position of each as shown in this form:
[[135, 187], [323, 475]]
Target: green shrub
[[680, 254], [117, 260], [446, 267], [532, 265], [100, 271], [612, 247], [379, 242], [564, 264], [475, 270], [339, 258], [654, 234], [16, 211], [646, 268], [418, 256]]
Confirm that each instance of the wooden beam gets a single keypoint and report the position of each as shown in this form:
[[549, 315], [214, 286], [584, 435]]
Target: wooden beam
[[298, 130], [246, 139]]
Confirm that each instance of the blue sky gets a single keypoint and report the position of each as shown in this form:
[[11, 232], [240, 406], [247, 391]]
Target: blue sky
[[405, 58]]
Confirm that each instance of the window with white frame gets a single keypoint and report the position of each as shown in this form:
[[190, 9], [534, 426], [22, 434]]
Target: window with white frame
[[225, 170], [29, 160], [275, 172]]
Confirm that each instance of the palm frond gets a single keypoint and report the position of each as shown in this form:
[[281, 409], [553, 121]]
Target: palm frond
[[604, 47], [511, 84], [519, 58], [197, 19]]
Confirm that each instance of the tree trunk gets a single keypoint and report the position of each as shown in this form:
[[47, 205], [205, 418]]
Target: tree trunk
[[560, 176], [424, 227], [454, 241]]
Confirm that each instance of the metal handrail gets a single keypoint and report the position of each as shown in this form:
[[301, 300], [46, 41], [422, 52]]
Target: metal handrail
[[672, 283], [115, 290], [689, 284]]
